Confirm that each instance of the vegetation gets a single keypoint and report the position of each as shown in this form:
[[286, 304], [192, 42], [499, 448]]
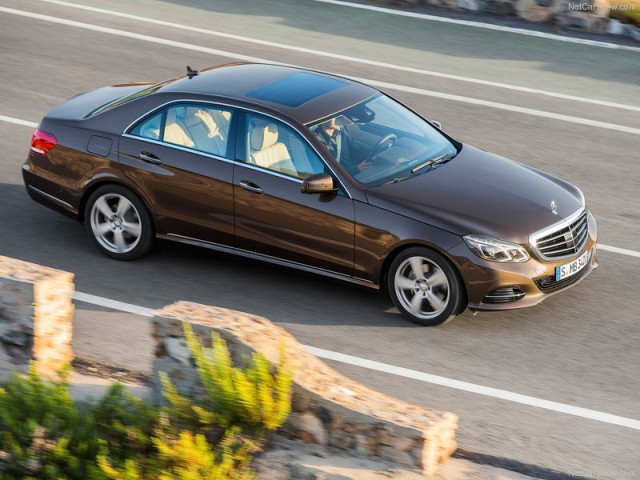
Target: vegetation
[[45, 434], [255, 396], [627, 11]]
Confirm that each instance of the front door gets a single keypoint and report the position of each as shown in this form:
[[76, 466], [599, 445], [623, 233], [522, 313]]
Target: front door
[[272, 216]]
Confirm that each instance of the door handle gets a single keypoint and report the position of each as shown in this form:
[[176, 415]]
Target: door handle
[[252, 187], [150, 158]]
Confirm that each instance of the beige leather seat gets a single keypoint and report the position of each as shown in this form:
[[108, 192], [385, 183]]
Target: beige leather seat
[[266, 151], [175, 131], [204, 131], [217, 122]]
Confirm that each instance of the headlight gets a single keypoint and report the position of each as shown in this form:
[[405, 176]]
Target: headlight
[[496, 250]]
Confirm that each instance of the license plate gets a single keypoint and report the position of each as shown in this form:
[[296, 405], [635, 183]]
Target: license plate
[[571, 268]]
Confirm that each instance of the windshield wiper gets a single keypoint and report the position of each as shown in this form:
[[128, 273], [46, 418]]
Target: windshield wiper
[[434, 161], [439, 159]]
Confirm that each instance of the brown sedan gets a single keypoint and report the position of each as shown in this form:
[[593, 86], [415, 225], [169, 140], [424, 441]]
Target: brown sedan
[[315, 172]]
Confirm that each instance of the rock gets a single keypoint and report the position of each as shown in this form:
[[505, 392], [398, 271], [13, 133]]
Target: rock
[[522, 6], [538, 14], [320, 451], [178, 349], [337, 423], [300, 402], [499, 7], [365, 445], [308, 427], [342, 440], [384, 437], [396, 456], [472, 5], [325, 416], [404, 444]]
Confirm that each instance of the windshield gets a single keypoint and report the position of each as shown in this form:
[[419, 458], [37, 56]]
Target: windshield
[[380, 141]]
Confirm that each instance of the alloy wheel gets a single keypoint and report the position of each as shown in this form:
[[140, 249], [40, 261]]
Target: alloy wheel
[[422, 287], [116, 223]]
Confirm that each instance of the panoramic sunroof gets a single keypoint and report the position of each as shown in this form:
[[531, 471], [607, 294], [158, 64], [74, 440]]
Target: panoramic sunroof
[[296, 89]]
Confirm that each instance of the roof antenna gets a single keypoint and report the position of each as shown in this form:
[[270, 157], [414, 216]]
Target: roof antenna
[[191, 73]]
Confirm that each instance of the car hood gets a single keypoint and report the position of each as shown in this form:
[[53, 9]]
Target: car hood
[[482, 193]]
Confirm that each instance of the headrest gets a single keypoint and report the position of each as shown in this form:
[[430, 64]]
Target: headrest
[[263, 135], [180, 112]]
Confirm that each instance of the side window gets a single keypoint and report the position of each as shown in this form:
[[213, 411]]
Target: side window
[[199, 127], [150, 128], [275, 146]]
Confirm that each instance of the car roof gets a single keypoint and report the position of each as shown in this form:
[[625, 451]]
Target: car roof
[[304, 95]]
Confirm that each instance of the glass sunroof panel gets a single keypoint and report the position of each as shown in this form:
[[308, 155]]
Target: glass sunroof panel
[[296, 89]]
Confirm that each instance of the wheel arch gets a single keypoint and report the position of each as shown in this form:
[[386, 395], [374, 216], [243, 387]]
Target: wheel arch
[[95, 185]]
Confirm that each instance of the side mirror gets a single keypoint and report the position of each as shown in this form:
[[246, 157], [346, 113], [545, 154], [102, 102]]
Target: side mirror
[[436, 123], [318, 183]]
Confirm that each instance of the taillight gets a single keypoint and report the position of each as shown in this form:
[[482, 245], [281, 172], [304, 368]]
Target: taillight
[[42, 142]]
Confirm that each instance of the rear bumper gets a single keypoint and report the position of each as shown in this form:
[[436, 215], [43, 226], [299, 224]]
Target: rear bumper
[[488, 284], [43, 192]]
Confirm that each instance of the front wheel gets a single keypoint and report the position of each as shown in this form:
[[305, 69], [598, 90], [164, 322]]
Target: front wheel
[[425, 287], [119, 223]]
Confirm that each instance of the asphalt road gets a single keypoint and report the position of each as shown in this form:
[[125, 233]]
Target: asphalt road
[[579, 348]]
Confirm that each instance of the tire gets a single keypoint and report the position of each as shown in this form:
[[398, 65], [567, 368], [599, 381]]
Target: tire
[[425, 287], [118, 222]]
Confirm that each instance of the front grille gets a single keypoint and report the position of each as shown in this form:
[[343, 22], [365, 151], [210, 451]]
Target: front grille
[[566, 241], [550, 284]]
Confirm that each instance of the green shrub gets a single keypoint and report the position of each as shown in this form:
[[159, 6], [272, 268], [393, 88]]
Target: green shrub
[[187, 456], [46, 435], [43, 433], [256, 396]]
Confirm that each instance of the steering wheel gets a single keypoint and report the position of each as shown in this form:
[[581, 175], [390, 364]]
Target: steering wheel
[[385, 143]]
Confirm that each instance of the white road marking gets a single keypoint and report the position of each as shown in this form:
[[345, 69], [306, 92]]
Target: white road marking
[[621, 251], [408, 373], [601, 246], [113, 304], [17, 121], [488, 26], [343, 57], [418, 91]]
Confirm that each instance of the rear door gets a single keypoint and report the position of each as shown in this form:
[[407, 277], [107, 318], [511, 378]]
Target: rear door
[[182, 159], [272, 216]]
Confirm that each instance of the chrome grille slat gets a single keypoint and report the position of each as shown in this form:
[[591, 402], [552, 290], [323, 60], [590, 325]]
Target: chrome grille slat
[[561, 235], [554, 246], [568, 249], [565, 240], [581, 230]]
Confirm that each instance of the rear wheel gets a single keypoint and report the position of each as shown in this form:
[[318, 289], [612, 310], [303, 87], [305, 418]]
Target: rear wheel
[[425, 287], [119, 223]]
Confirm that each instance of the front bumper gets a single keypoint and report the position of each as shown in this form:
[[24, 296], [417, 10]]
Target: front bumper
[[505, 286]]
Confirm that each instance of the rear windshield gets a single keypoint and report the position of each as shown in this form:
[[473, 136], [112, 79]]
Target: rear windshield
[[128, 98]]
